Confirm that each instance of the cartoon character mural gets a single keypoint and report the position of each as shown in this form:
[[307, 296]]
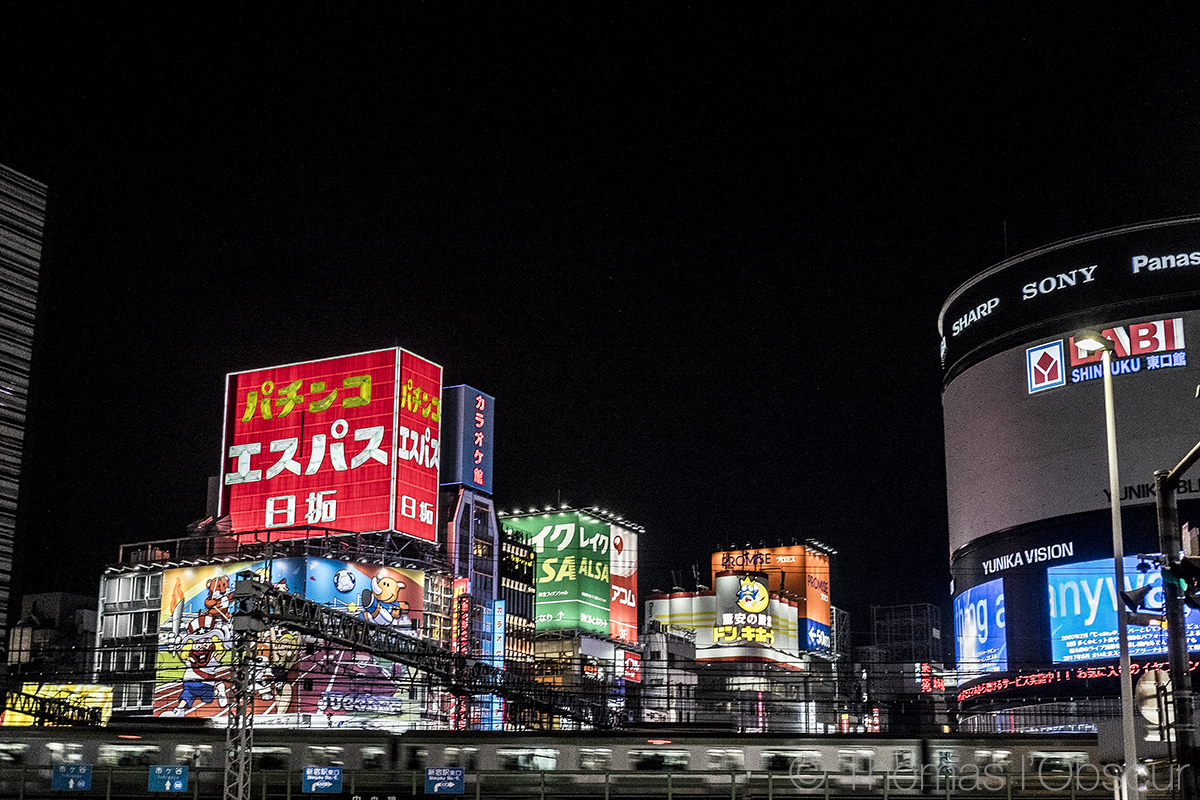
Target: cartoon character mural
[[381, 603], [202, 660], [195, 636], [299, 680]]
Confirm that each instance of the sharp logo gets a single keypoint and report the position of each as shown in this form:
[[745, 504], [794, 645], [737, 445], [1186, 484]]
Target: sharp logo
[[1044, 367]]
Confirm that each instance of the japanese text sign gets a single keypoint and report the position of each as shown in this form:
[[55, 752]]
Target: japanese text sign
[[467, 431], [168, 778], [71, 778], [572, 574], [347, 444], [445, 780], [322, 780]]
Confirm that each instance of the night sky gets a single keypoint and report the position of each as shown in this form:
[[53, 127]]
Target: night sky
[[696, 254]]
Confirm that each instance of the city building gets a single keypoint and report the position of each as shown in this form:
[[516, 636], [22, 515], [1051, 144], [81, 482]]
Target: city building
[[22, 221], [54, 638], [908, 633], [755, 652], [1027, 470], [357, 483], [585, 631]]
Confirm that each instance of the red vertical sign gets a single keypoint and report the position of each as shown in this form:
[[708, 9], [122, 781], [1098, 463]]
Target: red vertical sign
[[418, 447]]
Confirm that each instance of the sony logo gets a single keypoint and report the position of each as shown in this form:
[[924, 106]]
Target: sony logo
[[1055, 282]]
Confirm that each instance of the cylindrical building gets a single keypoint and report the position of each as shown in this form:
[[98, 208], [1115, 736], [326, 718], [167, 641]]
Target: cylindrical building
[[1027, 466]]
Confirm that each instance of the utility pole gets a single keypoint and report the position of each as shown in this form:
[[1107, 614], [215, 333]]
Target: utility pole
[[1174, 565]]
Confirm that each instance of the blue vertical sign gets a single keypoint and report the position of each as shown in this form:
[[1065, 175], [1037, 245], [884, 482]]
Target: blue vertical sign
[[71, 777], [467, 424], [498, 644], [168, 778]]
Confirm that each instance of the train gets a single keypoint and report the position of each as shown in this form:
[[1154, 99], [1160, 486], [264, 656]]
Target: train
[[651, 762]]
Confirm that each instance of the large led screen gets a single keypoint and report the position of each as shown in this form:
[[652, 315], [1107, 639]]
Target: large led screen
[[301, 681], [572, 570], [981, 642], [1083, 612], [345, 444]]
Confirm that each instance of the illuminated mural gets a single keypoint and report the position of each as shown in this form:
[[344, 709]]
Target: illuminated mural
[[77, 694], [300, 681]]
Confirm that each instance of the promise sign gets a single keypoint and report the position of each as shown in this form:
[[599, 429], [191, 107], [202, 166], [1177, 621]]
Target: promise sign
[[348, 444]]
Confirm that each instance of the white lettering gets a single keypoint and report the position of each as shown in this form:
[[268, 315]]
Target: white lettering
[[1053, 283], [975, 314], [1152, 263]]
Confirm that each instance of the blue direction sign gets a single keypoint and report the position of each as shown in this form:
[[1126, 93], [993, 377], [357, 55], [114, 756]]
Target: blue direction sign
[[323, 780], [71, 777], [445, 780], [168, 778]]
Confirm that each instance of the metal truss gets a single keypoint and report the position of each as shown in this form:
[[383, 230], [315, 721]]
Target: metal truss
[[257, 606], [49, 710], [239, 736]]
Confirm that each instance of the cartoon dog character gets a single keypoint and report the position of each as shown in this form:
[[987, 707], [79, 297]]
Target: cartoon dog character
[[274, 659], [216, 606], [201, 658], [381, 603]]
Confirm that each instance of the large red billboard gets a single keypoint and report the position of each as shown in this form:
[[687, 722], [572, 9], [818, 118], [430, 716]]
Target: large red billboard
[[347, 444]]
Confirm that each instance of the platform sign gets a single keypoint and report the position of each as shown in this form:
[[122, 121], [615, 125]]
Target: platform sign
[[71, 778], [168, 778], [322, 780], [445, 780]]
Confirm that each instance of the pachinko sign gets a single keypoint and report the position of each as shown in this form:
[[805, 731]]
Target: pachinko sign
[[347, 444]]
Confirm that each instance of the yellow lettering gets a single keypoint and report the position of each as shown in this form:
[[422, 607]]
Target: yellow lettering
[[567, 570]]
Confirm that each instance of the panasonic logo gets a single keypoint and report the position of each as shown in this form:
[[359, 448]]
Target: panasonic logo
[[1152, 263]]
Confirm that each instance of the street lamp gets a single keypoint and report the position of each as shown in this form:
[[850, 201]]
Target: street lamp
[[1091, 341]]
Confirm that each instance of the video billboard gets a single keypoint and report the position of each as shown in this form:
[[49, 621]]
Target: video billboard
[[572, 570], [349, 444], [980, 638], [1083, 612], [298, 677]]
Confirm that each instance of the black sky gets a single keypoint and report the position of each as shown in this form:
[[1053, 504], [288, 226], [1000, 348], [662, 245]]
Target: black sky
[[696, 254]]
